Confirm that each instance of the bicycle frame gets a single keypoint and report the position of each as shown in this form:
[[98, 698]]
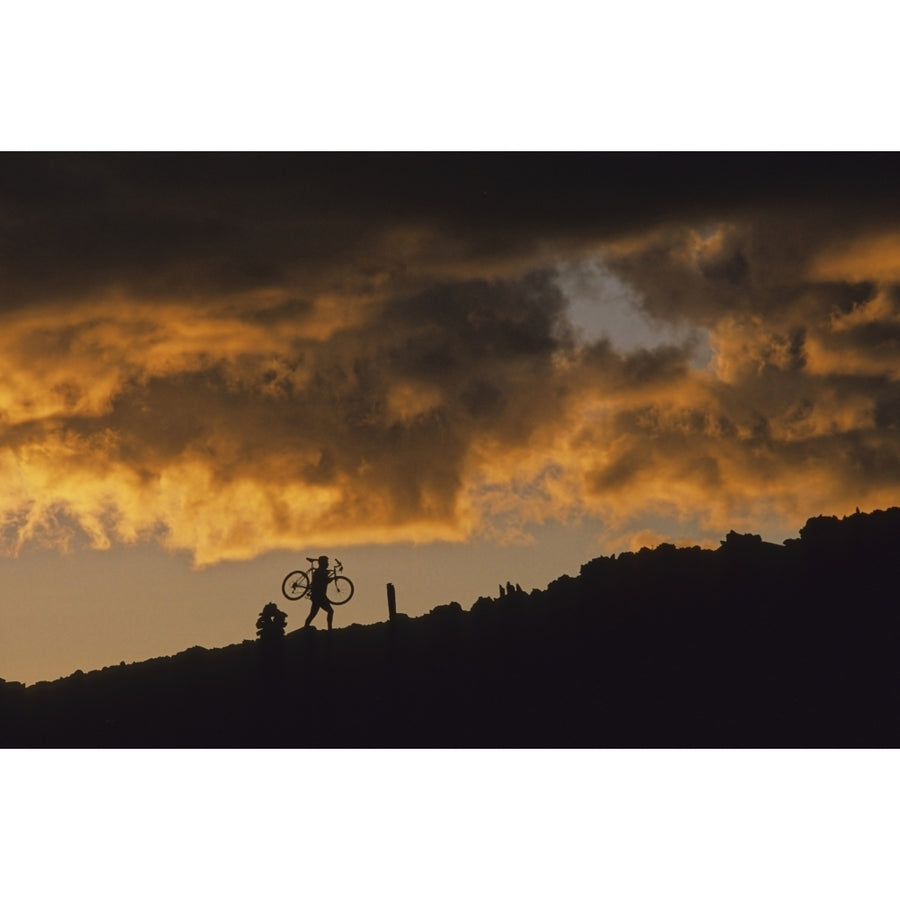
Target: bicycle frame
[[296, 585]]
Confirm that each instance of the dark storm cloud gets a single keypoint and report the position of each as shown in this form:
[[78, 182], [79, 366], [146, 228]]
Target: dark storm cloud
[[398, 396], [183, 223], [242, 352]]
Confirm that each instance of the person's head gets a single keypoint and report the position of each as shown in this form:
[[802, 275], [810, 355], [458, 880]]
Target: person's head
[[323, 562]]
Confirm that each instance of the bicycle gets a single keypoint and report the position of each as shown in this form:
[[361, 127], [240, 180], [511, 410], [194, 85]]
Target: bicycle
[[340, 588]]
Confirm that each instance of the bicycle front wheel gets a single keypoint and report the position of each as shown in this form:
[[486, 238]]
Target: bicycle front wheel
[[295, 585], [340, 590]]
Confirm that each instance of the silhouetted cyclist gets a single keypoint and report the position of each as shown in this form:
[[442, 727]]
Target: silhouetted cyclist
[[319, 585]]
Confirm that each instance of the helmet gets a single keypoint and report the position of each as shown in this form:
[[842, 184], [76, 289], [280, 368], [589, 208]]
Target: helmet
[[323, 560]]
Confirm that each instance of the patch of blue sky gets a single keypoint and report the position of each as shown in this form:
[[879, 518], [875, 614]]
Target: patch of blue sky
[[602, 305]]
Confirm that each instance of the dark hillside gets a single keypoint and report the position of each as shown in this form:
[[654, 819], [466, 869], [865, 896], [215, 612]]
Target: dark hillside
[[750, 645]]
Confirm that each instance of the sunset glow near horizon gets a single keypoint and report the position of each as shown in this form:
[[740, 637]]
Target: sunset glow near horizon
[[447, 371]]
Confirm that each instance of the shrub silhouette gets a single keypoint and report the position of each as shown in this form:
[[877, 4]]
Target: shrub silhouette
[[271, 623]]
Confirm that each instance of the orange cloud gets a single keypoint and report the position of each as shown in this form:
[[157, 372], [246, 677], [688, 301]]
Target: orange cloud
[[869, 257], [435, 391], [216, 439]]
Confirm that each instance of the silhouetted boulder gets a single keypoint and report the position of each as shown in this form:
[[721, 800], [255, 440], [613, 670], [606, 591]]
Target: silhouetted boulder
[[820, 530], [741, 542], [447, 612], [271, 623]]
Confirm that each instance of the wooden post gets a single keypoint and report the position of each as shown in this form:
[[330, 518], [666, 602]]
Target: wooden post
[[392, 603]]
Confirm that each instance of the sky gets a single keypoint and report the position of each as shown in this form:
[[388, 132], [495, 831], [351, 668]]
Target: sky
[[449, 371]]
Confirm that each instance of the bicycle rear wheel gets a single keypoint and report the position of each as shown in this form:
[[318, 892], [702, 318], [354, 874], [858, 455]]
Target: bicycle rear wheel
[[340, 590], [295, 585]]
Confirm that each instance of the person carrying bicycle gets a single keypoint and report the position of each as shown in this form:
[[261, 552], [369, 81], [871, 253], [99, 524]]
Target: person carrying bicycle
[[317, 593]]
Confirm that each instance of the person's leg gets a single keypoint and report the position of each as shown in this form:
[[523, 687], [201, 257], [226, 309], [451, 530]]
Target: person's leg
[[329, 610], [311, 616]]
